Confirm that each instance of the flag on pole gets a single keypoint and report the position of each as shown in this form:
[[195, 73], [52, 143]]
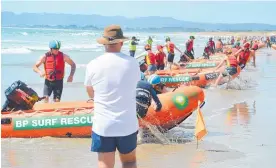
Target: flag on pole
[[200, 129]]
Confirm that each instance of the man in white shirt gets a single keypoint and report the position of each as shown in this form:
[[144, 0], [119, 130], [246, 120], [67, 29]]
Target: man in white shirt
[[111, 80]]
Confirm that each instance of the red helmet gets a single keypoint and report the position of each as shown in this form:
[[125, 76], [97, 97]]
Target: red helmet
[[246, 45], [159, 47], [147, 47]]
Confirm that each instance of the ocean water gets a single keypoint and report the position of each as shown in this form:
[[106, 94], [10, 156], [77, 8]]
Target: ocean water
[[22, 47], [239, 116]]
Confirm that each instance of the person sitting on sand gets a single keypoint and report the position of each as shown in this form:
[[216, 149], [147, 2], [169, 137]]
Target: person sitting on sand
[[219, 46], [144, 93], [155, 81], [231, 69], [243, 55]]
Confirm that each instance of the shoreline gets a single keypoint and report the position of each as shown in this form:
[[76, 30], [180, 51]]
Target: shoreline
[[159, 30]]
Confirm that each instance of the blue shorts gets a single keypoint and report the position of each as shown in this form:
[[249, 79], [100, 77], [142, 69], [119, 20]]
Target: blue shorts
[[230, 71], [170, 57], [124, 144], [152, 68]]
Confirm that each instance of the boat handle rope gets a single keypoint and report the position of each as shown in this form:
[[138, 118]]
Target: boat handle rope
[[32, 114]]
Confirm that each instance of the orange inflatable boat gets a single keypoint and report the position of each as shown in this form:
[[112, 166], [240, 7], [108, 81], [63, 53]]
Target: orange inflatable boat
[[261, 45], [274, 46], [198, 77], [74, 119]]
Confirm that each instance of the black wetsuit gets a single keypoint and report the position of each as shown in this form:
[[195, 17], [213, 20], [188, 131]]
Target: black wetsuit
[[144, 94]]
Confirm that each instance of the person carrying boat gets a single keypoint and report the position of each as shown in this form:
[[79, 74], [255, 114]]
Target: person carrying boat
[[160, 57], [144, 93], [244, 40], [253, 49], [268, 43], [54, 70], [155, 81], [255, 45], [243, 55], [211, 45], [232, 42], [184, 59], [207, 51], [237, 44], [149, 41], [231, 69], [150, 60], [170, 48], [190, 47], [132, 46], [219, 46]]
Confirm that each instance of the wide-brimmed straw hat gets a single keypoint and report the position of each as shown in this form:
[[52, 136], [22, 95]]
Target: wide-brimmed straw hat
[[112, 34]]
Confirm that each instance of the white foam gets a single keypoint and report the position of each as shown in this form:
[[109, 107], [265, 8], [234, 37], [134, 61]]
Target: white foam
[[84, 34], [24, 33], [15, 51], [77, 65]]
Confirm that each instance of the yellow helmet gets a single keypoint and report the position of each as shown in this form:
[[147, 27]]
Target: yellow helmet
[[228, 51]]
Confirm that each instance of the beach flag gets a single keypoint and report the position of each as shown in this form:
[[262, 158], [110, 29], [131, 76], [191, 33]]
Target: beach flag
[[200, 129]]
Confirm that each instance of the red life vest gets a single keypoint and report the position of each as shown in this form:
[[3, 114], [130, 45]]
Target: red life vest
[[255, 46], [150, 58], [170, 47], [207, 50], [54, 66], [211, 44], [244, 56], [160, 57], [232, 61], [190, 45], [244, 41]]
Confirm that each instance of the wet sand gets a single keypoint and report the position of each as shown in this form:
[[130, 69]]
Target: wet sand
[[239, 120]]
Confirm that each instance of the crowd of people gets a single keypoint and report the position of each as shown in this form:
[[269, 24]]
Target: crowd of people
[[120, 90]]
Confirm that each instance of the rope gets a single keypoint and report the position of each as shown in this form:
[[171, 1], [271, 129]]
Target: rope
[[51, 113]]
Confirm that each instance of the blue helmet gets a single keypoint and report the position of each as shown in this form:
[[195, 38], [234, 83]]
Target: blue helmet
[[54, 44], [154, 79], [143, 76]]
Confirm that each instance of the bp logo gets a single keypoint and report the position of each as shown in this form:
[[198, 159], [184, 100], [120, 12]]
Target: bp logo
[[180, 101]]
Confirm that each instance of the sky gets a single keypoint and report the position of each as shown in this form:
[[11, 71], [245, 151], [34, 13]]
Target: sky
[[197, 11]]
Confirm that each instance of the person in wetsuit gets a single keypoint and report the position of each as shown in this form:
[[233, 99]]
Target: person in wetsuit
[[144, 93]]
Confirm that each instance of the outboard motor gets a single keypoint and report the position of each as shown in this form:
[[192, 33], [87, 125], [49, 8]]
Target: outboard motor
[[20, 97]]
